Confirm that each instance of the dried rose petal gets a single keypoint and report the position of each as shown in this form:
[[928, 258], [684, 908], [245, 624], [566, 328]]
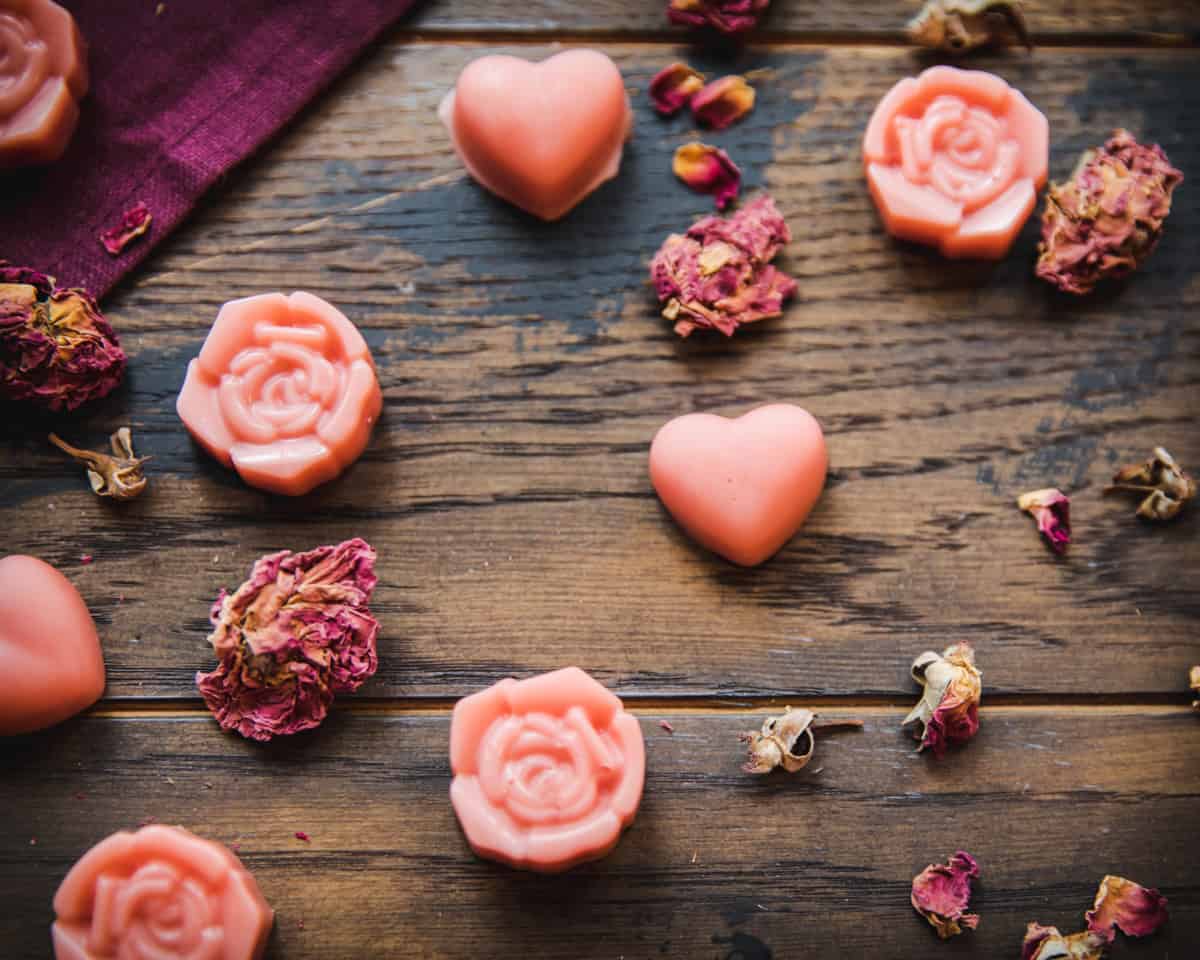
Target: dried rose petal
[[940, 893], [1046, 943], [1052, 510], [957, 26], [298, 631], [134, 222], [1107, 219], [56, 348], [673, 87], [119, 476], [708, 169], [302, 836], [1123, 905], [723, 102], [1162, 483], [786, 741], [949, 708], [728, 16], [719, 275]]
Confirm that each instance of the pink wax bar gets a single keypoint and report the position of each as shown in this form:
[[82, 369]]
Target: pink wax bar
[[161, 892], [49, 651], [547, 771], [284, 391]]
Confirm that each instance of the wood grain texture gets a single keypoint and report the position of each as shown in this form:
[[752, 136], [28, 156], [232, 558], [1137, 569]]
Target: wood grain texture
[[525, 371], [812, 865]]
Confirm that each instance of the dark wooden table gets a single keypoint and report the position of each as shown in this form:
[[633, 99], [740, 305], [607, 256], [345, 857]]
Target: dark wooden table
[[525, 371]]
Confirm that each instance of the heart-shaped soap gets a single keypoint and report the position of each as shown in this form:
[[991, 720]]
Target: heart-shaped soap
[[740, 487], [49, 652], [541, 135]]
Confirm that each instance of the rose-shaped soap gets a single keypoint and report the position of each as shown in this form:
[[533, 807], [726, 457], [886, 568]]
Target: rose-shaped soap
[[540, 135], [954, 159], [161, 893], [547, 771], [43, 74], [284, 391]]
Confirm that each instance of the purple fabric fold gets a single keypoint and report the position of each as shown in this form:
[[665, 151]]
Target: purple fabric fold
[[177, 99]]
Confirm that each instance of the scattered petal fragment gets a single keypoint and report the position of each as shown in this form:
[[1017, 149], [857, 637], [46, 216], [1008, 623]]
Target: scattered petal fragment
[[294, 634], [719, 274], [302, 836], [1123, 905], [949, 708], [1194, 681], [1160, 481], [1046, 943], [1108, 218], [786, 741], [957, 26], [941, 892], [723, 102], [728, 16], [1051, 509], [673, 88], [134, 222], [708, 169], [120, 475]]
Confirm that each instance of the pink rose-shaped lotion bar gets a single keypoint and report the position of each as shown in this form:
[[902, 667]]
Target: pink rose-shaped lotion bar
[[284, 391], [954, 159], [161, 893], [547, 771]]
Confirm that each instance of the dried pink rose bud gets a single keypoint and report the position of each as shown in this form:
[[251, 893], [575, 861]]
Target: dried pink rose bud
[[1123, 905], [673, 88], [723, 102], [728, 16], [1160, 481], [786, 741], [708, 169], [719, 275], [1046, 943], [134, 222], [1107, 219], [1051, 509], [949, 708], [56, 349], [294, 634], [941, 892]]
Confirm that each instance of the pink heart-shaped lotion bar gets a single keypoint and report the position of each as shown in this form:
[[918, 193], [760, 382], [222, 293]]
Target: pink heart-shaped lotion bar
[[740, 487], [49, 651], [540, 135]]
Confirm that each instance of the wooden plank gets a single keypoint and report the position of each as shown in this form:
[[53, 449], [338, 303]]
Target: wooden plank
[[1050, 21], [525, 372], [814, 865]]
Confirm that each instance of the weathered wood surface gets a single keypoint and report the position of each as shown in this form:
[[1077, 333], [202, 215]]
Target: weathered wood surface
[[814, 865]]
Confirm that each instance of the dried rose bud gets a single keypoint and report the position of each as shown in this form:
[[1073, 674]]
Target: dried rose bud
[[1046, 943], [786, 741], [134, 222], [1194, 681], [949, 708], [673, 87], [1107, 219], [728, 16], [719, 275], [957, 26], [708, 169], [294, 634], [941, 892], [56, 349], [118, 476], [723, 102], [1051, 509], [1123, 905], [1160, 481]]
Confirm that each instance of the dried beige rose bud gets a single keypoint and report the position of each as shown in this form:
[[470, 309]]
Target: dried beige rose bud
[[786, 741], [957, 26], [1161, 482], [949, 708], [118, 476]]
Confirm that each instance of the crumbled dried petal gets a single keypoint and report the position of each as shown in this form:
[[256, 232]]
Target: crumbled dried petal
[[1107, 219], [298, 631], [1046, 943], [56, 348], [1123, 905], [949, 708], [941, 892], [708, 169], [957, 26], [1194, 681], [85, 558], [719, 275], [120, 475], [666, 725], [786, 741], [1051, 509], [1160, 481], [673, 88], [133, 223], [723, 102], [301, 835], [728, 16]]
